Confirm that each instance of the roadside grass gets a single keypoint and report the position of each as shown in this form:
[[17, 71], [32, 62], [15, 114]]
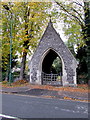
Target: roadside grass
[[19, 83], [22, 83], [83, 86], [79, 88]]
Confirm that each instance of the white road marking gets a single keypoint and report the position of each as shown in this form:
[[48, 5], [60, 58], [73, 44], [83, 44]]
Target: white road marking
[[77, 111], [7, 116], [82, 108]]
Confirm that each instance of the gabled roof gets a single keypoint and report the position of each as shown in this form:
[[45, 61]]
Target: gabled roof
[[50, 34]]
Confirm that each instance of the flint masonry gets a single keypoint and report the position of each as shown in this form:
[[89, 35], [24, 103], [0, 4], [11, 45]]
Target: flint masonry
[[51, 46]]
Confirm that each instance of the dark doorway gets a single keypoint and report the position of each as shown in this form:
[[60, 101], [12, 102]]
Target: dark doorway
[[51, 68]]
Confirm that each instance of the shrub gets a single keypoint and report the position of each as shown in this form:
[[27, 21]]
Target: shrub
[[82, 79], [19, 82], [4, 82]]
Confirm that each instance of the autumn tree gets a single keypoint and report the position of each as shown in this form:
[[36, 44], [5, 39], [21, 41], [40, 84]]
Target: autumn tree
[[5, 33], [87, 32], [77, 17], [29, 20], [34, 17]]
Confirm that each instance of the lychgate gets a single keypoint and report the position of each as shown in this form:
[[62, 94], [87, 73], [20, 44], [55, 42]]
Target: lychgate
[[51, 47]]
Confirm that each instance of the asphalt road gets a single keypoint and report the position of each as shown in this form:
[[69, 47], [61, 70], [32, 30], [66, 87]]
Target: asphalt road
[[35, 107]]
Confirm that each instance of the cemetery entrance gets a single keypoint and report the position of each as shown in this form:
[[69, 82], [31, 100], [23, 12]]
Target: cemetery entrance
[[52, 63], [51, 69]]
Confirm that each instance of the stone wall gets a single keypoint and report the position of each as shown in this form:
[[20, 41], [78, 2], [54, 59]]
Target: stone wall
[[52, 40]]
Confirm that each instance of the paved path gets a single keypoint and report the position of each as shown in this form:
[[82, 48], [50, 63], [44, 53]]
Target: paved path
[[26, 90], [15, 89]]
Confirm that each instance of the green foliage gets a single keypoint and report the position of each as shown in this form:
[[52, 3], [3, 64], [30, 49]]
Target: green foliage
[[28, 21], [72, 14], [76, 18], [57, 65], [82, 78], [3, 75]]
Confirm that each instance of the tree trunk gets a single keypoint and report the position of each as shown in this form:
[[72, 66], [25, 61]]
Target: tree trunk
[[7, 76], [25, 44], [23, 64], [87, 23]]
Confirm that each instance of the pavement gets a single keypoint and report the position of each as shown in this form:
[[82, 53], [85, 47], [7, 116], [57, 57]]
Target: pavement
[[60, 94]]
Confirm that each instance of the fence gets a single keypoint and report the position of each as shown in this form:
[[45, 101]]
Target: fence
[[52, 79]]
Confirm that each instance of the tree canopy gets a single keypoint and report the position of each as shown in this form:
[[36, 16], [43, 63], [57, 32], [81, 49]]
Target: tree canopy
[[76, 16], [29, 20]]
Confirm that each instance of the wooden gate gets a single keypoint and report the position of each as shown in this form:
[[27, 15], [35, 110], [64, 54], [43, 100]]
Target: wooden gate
[[51, 79]]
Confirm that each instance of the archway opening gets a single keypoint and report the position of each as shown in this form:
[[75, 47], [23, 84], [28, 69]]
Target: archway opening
[[52, 69]]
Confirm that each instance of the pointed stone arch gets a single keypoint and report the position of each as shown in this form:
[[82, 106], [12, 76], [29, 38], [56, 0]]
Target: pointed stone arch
[[51, 41], [52, 54]]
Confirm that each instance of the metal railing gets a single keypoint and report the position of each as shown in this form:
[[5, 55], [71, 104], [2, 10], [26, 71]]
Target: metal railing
[[51, 78]]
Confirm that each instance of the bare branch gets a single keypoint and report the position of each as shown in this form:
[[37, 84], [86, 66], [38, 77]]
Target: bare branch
[[70, 14], [78, 14], [78, 4]]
